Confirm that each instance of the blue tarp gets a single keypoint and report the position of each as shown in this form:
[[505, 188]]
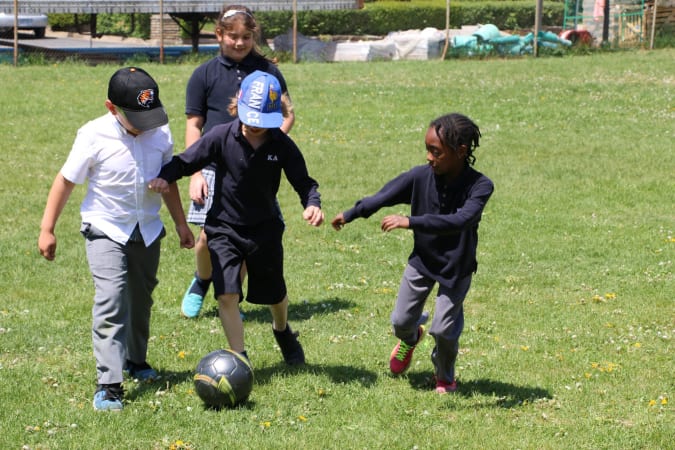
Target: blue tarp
[[488, 39]]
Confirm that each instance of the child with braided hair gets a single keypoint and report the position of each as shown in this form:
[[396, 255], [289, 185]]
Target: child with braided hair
[[446, 197]]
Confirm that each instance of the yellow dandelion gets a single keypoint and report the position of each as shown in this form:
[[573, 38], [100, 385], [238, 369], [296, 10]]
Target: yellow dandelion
[[524, 348], [181, 354], [652, 402], [595, 365], [302, 418], [637, 345], [664, 401], [266, 424], [587, 375], [610, 295], [597, 298], [176, 445]]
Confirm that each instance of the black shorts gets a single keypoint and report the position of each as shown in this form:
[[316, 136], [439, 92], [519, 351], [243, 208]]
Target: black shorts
[[261, 247]]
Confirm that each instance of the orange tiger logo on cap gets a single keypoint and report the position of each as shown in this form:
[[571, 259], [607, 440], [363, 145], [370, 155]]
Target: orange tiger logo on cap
[[146, 97]]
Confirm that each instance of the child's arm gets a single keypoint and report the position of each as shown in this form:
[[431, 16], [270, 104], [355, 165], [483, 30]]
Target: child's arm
[[56, 201], [466, 216], [173, 204], [394, 192]]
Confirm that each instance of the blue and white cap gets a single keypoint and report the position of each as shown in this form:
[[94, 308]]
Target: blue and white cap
[[259, 102]]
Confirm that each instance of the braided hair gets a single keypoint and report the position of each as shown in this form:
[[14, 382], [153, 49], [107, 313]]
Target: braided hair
[[456, 129]]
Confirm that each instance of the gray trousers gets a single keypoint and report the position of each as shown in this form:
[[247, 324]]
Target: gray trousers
[[448, 318], [124, 278]]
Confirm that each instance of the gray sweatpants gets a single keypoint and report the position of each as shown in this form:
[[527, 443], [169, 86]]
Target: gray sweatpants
[[124, 278], [447, 323]]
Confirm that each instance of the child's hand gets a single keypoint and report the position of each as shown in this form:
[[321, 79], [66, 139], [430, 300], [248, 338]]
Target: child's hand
[[394, 221], [159, 185], [338, 222], [187, 239], [47, 245], [313, 215], [199, 188]]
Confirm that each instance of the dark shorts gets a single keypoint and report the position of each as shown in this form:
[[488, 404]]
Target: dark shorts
[[261, 247]]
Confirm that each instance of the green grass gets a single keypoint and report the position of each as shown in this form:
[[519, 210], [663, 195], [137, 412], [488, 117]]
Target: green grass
[[569, 323]]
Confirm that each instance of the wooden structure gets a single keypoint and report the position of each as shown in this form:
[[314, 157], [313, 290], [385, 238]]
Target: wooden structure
[[192, 14], [659, 14]]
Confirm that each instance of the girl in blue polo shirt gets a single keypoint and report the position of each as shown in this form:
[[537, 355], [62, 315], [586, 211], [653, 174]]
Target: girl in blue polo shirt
[[446, 199]]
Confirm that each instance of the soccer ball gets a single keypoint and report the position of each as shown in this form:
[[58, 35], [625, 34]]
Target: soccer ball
[[223, 378]]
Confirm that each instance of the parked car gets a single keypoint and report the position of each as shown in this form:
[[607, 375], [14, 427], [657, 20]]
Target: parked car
[[36, 22]]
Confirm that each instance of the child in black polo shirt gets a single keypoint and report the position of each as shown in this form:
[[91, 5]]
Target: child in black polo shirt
[[446, 199], [207, 96], [244, 223]]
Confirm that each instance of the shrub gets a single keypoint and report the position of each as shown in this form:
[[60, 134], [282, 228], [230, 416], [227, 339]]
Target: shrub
[[380, 19], [377, 18]]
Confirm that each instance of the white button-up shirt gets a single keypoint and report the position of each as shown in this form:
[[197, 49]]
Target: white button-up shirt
[[118, 167]]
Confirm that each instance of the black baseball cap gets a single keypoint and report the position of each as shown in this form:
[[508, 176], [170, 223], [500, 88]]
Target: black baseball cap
[[134, 91]]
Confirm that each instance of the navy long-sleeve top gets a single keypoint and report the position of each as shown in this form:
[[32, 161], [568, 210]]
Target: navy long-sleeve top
[[247, 180], [444, 218]]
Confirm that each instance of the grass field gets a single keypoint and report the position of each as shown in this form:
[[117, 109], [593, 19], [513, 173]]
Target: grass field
[[570, 320]]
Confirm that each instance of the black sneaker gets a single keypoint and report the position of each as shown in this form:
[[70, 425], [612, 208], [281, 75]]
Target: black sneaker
[[290, 347], [108, 398]]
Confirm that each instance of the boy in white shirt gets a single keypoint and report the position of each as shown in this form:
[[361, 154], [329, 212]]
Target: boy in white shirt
[[118, 154]]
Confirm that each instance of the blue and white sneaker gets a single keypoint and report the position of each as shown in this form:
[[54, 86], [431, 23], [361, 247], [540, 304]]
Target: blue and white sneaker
[[192, 302], [108, 398], [141, 372]]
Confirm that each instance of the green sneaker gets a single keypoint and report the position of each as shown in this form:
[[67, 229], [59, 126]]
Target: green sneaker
[[400, 357]]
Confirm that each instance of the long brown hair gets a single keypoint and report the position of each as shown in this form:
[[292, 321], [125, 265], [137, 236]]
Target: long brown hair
[[239, 13]]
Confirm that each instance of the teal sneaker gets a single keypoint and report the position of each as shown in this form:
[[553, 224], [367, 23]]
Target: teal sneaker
[[192, 302], [141, 372], [108, 398]]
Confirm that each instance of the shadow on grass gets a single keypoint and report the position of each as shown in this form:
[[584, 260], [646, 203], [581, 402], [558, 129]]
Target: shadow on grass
[[263, 376], [495, 393], [337, 374], [297, 311], [167, 379]]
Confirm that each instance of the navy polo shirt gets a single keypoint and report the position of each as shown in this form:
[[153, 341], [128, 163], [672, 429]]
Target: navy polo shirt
[[247, 180], [213, 84], [444, 218]]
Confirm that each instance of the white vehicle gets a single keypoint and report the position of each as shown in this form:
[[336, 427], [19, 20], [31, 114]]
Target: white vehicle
[[36, 22]]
